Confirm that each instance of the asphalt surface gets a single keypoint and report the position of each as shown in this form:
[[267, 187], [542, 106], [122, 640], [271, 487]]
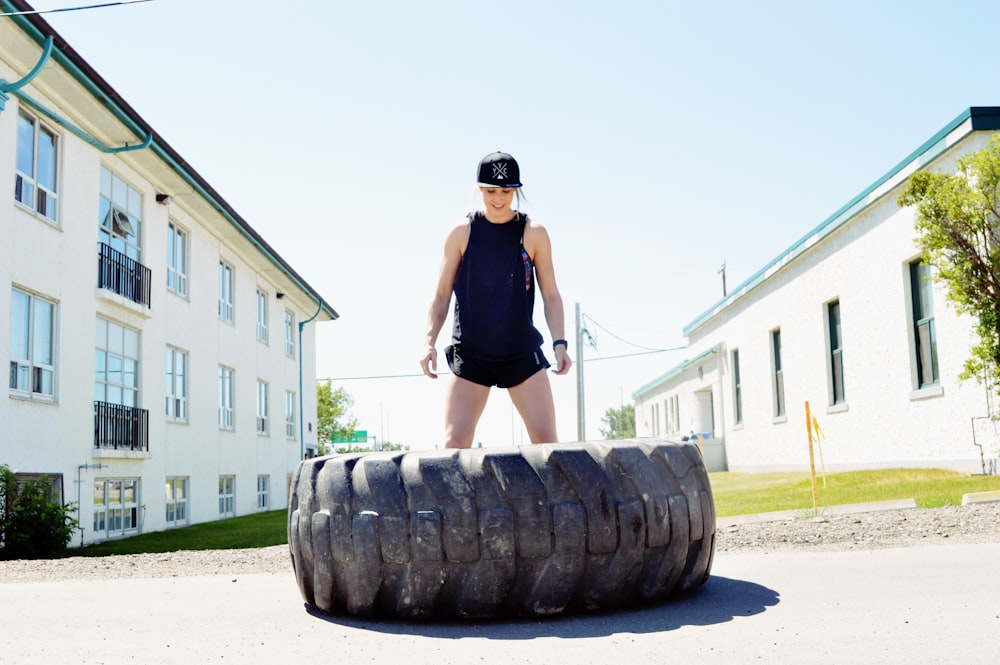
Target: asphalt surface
[[916, 605]]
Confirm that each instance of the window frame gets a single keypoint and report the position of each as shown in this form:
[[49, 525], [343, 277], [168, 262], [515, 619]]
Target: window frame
[[177, 502], [38, 190], [835, 353], [262, 316], [263, 408], [35, 368], [263, 493], [289, 333], [290, 425], [227, 496], [179, 402], [112, 352], [227, 396], [178, 250], [777, 375], [118, 519], [227, 289], [921, 285], [737, 388], [120, 202]]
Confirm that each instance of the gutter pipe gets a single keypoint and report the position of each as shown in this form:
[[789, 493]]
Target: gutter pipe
[[302, 439], [79, 482], [6, 87]]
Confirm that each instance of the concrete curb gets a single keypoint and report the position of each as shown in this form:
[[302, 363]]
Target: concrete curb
[[808, 513], [981, 497]]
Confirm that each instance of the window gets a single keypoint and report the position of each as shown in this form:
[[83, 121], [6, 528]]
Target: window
[[737, 389], [225, 292], [778, 377], [261, 316], [117, 364], [263, 500], [32, 357], [120, 215], [177, 253], [226, 398], [836, 354], [289, 334], [116, 508], [675, 402], [262, 408], [924, 334], [227, 496], [119, 423], [177, 362], [177, 501], [119, 256], [37, 163], [290, 415]]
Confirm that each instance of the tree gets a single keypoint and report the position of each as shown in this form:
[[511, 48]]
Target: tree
[[620, 422], [957, 224], [333, 414], [33, 525]]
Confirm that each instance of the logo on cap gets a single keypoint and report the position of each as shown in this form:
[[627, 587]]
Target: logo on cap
[[498, 169]]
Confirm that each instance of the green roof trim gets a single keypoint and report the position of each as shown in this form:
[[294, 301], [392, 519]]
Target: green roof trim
[[676, 371], [975, 118]]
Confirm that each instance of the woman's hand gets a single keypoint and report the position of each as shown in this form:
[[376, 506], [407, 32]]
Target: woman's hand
[[429, 361], [563, 361]]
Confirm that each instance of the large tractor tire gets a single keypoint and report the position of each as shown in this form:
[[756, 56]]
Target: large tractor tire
[[486, 533]]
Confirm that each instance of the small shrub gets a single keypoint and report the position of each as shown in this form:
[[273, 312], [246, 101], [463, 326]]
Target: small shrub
[[32, 524]]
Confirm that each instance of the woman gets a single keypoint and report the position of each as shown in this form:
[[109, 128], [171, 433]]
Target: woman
[[492, 262]]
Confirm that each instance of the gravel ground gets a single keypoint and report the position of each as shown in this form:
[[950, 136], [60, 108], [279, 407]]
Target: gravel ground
[[977, 523]]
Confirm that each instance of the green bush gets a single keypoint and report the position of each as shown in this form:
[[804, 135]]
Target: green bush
[[32, 524]]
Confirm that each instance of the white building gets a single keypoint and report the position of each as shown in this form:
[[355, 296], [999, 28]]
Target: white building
[[845, 321], [162, 355]]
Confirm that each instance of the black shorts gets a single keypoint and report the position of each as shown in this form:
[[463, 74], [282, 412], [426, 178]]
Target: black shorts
[[499, 373]]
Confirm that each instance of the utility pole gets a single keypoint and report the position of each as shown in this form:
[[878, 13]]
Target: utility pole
[[581, 428], [722, 271]]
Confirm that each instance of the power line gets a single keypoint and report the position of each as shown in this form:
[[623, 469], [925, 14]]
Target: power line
[[421, 374], [630, 355], [73, 9], [621, 339], [382, 376]]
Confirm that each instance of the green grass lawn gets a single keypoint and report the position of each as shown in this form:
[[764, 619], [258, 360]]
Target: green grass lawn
[[734, 493], [258, 530], [748, 493]]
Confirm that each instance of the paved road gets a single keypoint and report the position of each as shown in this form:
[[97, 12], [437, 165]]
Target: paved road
[[917, 605]]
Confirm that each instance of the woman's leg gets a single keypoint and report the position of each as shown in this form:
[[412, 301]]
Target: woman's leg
[[464, 405], [533, 400]]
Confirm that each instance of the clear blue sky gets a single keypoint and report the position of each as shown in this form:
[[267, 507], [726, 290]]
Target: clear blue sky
[[656, 139]]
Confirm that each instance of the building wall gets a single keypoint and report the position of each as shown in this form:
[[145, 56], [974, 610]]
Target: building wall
[[884, 420], [59, 262]]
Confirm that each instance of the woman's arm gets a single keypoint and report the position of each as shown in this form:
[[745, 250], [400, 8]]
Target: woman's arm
[[454, 248]]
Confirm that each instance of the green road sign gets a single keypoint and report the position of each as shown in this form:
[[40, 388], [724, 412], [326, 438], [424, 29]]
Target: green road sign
[[360, 436]]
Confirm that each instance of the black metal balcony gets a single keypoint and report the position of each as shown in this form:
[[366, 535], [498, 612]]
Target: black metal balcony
[[123, 275], [118, 427]]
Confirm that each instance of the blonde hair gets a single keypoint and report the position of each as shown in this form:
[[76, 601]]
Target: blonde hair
[[517, 195]]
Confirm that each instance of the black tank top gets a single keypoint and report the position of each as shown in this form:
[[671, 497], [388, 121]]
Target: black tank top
[[495, 291]]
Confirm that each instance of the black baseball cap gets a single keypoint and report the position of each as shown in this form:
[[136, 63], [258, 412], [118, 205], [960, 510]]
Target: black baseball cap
[[498, 169]]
